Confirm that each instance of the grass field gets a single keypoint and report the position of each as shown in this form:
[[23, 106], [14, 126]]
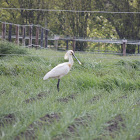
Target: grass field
[[98, 100]]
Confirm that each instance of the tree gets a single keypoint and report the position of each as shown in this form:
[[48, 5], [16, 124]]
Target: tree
[[126, 25], [75, 23]]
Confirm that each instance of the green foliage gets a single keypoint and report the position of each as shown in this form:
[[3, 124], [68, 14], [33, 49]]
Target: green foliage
[[10, 48], [125, 25]]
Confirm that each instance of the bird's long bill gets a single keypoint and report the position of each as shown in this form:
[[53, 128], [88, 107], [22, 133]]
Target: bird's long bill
[[77, 59]]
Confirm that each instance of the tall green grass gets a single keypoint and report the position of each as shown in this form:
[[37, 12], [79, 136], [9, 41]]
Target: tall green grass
[[10, 48], [97, 100]]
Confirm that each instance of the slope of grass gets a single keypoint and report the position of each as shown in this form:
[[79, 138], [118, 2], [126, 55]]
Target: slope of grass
[[97, 100], [10, 48]]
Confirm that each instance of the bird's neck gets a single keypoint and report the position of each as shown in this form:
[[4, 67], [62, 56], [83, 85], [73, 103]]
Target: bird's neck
[[71, 60]]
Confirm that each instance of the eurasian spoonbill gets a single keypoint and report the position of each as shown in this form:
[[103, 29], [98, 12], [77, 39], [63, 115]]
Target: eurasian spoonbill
[[62, 69]]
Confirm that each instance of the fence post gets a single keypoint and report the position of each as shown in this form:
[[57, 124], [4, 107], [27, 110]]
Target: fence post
[[74, 44], [42, 34], [56, 38], [30, 35], [46, 38], [37, 36], [17, 34], [10, 32], [124, 47], [67, 44], [56, 44], [138, 49], [23, 35], [3, 30]]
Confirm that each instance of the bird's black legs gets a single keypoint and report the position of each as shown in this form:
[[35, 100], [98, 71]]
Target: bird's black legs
[[58, 85]]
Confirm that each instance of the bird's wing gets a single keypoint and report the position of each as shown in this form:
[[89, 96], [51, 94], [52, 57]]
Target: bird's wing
[[58, 71]]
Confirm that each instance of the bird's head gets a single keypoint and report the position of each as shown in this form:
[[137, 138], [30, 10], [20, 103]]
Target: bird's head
[[68, 53], [71, 53]]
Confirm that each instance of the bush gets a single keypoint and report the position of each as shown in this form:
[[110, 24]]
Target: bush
[[10, 48]]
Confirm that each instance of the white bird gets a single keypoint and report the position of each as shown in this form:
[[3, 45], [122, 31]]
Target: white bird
[[62, 69]]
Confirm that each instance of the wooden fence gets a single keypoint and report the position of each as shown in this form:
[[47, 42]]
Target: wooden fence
[[27, 35], [31, 35]]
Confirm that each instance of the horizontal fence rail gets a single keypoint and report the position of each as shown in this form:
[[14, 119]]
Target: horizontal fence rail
[[73, 11], [36, 35]]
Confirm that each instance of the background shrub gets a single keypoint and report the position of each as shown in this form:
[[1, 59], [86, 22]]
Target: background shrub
[[10, 48]]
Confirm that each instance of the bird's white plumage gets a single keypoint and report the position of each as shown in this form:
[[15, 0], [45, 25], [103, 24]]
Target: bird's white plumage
[[58, 71], [66, 56]]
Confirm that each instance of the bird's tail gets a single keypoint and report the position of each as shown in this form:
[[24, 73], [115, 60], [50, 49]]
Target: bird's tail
[[46, 77]]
